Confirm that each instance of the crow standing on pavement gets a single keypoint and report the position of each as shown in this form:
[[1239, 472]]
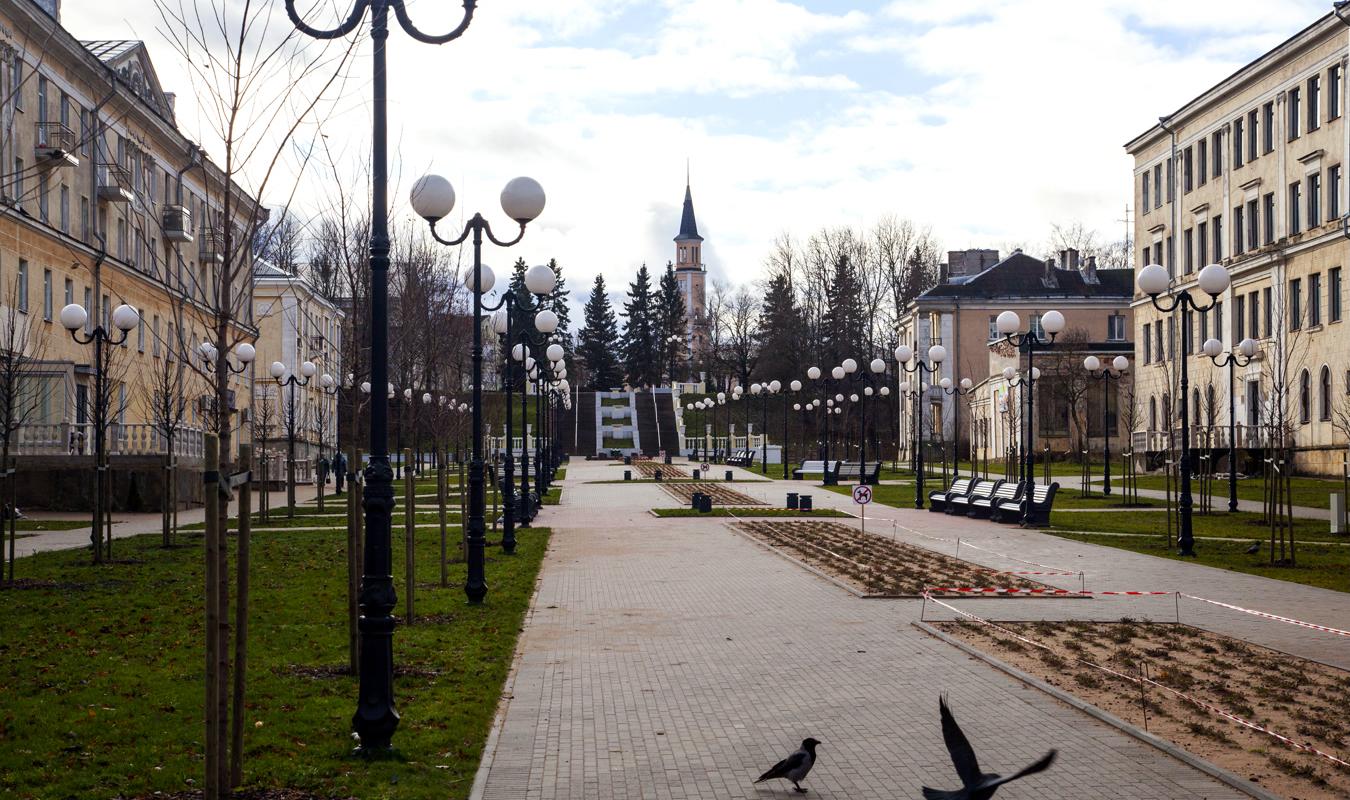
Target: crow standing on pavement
[[976, 785], [795, 766]]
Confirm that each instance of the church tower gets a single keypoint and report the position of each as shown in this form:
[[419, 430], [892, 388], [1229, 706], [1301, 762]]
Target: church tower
[[692, 276]]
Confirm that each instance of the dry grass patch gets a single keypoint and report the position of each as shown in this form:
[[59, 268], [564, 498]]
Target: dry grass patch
[[721, 494]]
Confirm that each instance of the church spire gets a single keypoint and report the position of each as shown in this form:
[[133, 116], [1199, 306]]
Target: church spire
[[688, 225]]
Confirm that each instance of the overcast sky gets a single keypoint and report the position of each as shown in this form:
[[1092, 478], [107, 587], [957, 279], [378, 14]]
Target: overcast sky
[[987, 121]]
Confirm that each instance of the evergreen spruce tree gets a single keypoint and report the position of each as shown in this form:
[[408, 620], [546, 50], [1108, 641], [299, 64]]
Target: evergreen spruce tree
[[672, 328], [561, 304], [842, 324], [640, 354], [520, 320], [598, 341], [779, 338]]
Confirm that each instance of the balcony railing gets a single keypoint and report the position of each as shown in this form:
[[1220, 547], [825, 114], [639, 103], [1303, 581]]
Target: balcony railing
[[77, 439], [212, 244], [114, 184], [55, 145], [177, 224]]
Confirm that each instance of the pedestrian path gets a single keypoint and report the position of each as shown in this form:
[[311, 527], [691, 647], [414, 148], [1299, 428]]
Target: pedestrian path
[[1221, 501], [673, 658]]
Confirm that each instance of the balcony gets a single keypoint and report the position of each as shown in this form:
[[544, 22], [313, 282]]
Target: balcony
[[212, 245], [176, 223], [55, 146], [114, 184]]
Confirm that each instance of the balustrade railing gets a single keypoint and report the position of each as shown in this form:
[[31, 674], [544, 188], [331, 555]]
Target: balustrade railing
[[77, 439]]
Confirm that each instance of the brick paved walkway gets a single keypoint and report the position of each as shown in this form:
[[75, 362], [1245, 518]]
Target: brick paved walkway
[[675, 659]]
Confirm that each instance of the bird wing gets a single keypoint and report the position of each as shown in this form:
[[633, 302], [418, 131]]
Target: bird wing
[[941, 794], [1039, 766], [782, 768], [963, 755]]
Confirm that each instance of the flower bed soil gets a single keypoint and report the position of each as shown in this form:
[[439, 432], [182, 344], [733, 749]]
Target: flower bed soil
[[875, 566], [1302, 700], [721, 495], [649, 469]]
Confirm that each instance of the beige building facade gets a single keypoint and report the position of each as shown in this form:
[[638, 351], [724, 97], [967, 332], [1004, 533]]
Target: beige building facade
[[1251, 175]]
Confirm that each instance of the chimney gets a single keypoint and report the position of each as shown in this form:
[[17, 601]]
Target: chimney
[[1051, 281], [1089, 271], [1072, 261]]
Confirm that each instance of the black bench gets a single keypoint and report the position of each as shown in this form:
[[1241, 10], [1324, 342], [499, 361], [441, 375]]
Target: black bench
[[821, 468], [742, 458], [1007, 492], [937, 501], [856, 471], [1042, 499], [961, 504]]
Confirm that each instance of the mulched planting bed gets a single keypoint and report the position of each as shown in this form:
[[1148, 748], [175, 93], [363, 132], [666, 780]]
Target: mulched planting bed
[[1296, 698], [650, 468], [721, 495], [876, 566], [758, 511]]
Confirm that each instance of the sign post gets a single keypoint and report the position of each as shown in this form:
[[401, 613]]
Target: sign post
[[862, 495]]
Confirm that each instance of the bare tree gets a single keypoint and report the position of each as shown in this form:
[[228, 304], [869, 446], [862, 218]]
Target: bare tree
[[166, 397], [22, 393]]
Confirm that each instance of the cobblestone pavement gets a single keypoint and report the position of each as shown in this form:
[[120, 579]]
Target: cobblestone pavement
[[673, 658]]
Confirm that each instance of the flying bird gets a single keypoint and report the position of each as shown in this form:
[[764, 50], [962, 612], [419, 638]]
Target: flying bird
[[795, 766], [976, 785], [1254, 549]]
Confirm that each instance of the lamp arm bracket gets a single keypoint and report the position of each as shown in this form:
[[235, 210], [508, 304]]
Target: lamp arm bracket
[[487, 228], [404, 22], [347, 26], [461, 238]]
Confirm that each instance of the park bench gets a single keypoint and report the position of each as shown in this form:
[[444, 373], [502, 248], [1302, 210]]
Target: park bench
[[1007, 492], [742, 458], [811, 468], [960, 504], [1042, 498], [855, 471], [937, 501]]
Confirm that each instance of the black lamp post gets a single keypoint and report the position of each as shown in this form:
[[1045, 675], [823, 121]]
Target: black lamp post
[[1115, 371], [124, 318], [285, 378], [376, 719], [1246, 351], [764, 390], [904, 356], [1019, 441], [1008, 324], [794, 387], [957, 391], [1154, 281]]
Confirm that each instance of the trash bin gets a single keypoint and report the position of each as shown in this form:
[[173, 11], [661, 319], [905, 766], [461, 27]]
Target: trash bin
[[628, 474], [668, 459], [705, 503], [792, 500], [804, 503], [696, 502], [728, 475], [696, 474], [656, 475], [627, 460]]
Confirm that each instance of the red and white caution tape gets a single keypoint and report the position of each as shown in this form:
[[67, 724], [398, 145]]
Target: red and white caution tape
[[1139, 679], [1268, 615], [1049, 590], [1011, 572]]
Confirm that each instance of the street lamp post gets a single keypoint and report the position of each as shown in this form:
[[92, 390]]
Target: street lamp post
[[376, 719], [904, 356], [283, 378], [1017, 380], [124, 318], [957, 391], [794, 387], [1246, 351], [433, 198], [1008, 325], [1095, 370], [1154, 281]]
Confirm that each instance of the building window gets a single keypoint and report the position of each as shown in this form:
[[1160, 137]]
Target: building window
[[1148, 343], [1157, 183], [1239, 319], [1251, 135], [1239, 231], [1144, 192], [1268, 311], [1171, 338], [1334, 294], [21, 286], [1254, 301], [1304, 397], [1315, 299], [1171, 179], [1324, 393], [89, 307], [1295, 204], [1268, 211], [154, 338], [1314, 200], [47, 295], [1202, 162], [1204, 326], [84, 219], [44, 203], [1035, 327], [1187, 170], [1216, 147], [1217, 224], [1202, 243], [1218, 319], [1269, 116], [16, 84], [1158, 341], [18, 178], [70, 291], [1295, 304], [1171, 257], [1187, 250], [1115, 328], [65, 209], [1153, 413], [1187, 332], [1253, 226], [140, 333], [1157, 253], [1314, 103], [993, 328], [1295, 117], [1253, 403], [1237, 143], [1334, 91], [1334, 193]]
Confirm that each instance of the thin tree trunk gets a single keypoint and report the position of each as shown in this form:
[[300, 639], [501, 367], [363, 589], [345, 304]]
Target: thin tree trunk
[[409, 528], [440, 502], [353, 574], [211, 501], [241, 620]]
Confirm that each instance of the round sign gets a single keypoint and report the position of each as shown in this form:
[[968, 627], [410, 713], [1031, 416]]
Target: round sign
[[862, 495], [705, 468]]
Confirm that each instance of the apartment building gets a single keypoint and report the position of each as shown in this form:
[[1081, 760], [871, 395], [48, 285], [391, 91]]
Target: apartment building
[[1250, 174], [960, 313], [104, 201]]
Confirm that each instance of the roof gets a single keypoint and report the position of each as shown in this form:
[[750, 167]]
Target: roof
[[110, 50], [1020, 275], [688, 225], [130, 61]]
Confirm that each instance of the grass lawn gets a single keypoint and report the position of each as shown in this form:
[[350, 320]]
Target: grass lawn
[[1324, 565], [104, 670], [48, 524], [614, 402], [898, 496], [1310, 492], [1242, 525], [552, 497], [719, 511], [1072, 498]]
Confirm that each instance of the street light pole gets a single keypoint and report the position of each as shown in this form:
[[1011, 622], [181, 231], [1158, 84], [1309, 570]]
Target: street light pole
[[957, 392], [1246, 351], [1153, 281], [1008, 324], [904, 356], [279, 371], [1094, 368], [376, 719]]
